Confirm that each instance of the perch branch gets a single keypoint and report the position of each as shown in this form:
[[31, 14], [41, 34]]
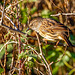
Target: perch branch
[[49, 70]]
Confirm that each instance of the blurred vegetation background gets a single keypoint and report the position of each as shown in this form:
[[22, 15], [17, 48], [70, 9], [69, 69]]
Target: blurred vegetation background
[[19, 54]]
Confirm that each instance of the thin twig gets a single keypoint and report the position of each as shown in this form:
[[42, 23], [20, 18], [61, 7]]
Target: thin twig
[[12, 70], [23, 63], [19, 53], [16, 31], [2, 13], [49, 4], [9, 20], [18, 14], [1, 64], [8, 43], [12, 5], [37, 55], [43, 56], [39, 43], [56, 6], [63, 14], [5, 60], [38, 70], [59, 59], [47, 65]]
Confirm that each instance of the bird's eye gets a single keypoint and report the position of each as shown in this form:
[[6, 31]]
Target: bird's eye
[[31, 25]]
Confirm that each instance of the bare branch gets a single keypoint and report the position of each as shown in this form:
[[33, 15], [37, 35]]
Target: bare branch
[[60, 58], [7, 9], [10, 20], [39, 43], [8, 43], [49, 70], [38, 70], [63, 14], [2, 13]]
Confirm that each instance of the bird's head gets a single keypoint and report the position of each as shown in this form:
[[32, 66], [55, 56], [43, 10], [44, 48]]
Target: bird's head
[[35, 24]]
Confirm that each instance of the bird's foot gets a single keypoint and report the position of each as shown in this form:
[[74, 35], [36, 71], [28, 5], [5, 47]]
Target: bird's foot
[[56, 44], [45, 40]]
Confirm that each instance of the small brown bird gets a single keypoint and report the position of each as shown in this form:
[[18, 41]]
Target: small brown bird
[[50, 29]]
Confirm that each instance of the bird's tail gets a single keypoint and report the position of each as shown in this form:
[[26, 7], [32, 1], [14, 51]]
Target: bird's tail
[[66, 39]]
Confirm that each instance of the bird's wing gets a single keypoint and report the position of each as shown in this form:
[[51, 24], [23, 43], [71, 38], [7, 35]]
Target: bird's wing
[[54, 27]]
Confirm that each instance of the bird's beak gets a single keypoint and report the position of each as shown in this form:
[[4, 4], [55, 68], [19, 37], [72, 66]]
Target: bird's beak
[[27, 29]]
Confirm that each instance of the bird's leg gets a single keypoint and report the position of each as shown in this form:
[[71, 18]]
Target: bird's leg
[[45, 40], [56, 44], [39, 42]]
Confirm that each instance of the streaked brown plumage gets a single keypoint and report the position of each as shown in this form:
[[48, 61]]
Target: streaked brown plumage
[[51, 29]]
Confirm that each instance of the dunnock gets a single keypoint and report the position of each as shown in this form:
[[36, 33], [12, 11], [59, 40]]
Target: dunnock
[[50, 29]]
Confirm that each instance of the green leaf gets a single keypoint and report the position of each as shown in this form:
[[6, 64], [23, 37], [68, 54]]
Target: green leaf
[[33, 56], [45, 14], [24, 15], [9, 49], [65, 58], [30, 63], [14, 74], [22, 55], [3, 51], [33, 10], [32, 0], [1, 70], [22, 40], [68, 53], [71, 72], [8, 62], [55, 70], [60, 63], [51, 55], [59, 48]]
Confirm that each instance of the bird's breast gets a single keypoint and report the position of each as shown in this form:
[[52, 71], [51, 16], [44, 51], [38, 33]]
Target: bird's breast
[[59, 37]]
